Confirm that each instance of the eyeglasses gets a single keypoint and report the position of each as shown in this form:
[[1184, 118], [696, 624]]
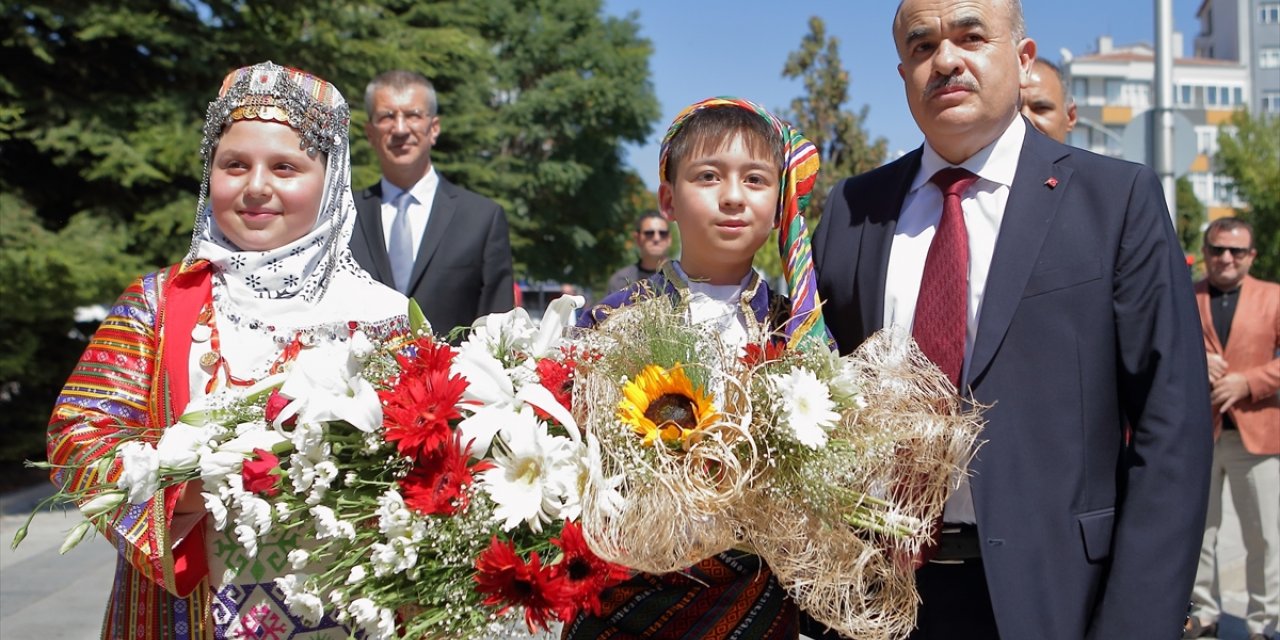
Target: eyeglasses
[[412, 118], [656, 233], [1236, 252]]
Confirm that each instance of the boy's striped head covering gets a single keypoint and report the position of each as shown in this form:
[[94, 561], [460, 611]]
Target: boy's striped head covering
[[799, 173]]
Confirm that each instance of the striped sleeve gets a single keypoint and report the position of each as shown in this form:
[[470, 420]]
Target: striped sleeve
[[108, 400]]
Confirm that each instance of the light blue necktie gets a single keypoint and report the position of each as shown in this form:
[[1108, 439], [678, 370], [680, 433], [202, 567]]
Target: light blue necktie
[[400, 249]]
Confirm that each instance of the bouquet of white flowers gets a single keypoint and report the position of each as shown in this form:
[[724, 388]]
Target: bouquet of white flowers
[[438, 487]]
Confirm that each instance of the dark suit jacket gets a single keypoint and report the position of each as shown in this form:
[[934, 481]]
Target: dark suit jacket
[[463, 268], [1088, 323]]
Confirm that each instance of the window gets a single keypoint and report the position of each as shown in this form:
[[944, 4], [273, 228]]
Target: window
[[1224, 190], [1268, 57], [1237, 95], [1211, 96], [1080, 88], [1269, 12], [1207, 140], [1183, 94], [1271, 101]]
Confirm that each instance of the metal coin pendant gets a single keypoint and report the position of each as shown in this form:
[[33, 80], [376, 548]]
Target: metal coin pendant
[[209, 359]]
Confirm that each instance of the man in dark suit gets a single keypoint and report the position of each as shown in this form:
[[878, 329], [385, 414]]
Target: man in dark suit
[[1048, 282], [444, 246]]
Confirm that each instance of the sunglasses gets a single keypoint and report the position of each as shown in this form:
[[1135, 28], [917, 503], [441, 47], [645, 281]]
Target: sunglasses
[[656, 233], [1236, 252]]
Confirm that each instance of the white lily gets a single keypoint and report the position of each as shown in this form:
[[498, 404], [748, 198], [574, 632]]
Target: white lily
[[558, 317], [322, 392], [180, 444], [488, 383], [250, 439]]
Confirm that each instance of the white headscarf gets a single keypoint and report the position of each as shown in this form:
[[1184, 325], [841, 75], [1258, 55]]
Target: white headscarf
[[264, 298]]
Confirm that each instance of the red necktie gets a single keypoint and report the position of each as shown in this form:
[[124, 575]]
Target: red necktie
[[942, 306]]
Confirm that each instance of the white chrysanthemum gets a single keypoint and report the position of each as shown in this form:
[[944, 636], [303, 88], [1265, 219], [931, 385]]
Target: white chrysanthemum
[[254, 512], [357, 574], [363, 611], [396, 555], [329, 526], [386, 628], [804, 406], [571, 492], [300, 601], [298, 558], [530, 469], [394, 519], [248, 539], [216, 508], [140, 471]]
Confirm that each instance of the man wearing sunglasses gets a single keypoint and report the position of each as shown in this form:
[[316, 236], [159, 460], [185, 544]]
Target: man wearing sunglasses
[[652, 238], [1240, 317]]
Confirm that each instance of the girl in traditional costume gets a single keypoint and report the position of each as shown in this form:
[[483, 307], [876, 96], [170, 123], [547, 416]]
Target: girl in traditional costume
[[268, 276], [731, 172]]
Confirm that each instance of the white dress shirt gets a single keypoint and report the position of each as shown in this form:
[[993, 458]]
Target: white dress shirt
[[424, 195], [984, 209]]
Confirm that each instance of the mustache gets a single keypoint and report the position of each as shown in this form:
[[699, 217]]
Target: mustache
[[947, 82]]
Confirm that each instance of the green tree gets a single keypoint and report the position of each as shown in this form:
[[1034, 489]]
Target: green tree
[[842, 141], [820, 112], [1190, 217], [102, 104], [1249, 152]]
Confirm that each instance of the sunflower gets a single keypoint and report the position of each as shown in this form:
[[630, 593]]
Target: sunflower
[[663, 403]]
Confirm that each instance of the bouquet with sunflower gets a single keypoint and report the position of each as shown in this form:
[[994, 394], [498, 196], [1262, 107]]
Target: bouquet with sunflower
[[830, 468]]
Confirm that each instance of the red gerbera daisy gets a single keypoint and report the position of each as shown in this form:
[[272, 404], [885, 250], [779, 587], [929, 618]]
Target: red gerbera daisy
[[416, 412], [430, 356], [584, 573], [437, 485], [506, 581]]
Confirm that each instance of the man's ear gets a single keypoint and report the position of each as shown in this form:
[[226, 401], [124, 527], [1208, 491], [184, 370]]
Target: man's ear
[[1071, 116], [1026, 60]]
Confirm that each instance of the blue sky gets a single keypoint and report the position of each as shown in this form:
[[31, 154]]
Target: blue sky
[[737, 47]]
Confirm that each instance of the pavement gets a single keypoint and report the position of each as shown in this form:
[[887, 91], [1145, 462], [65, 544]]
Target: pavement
[[44, 596]]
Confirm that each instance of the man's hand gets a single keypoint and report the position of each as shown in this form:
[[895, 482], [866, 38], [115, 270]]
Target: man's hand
[[1229, 389], [1217, 366]]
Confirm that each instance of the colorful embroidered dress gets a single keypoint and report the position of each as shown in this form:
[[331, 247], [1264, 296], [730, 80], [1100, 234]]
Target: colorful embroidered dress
[[731, 595], [224, 316]]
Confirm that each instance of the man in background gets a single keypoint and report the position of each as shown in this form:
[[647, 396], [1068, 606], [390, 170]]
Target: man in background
[[1046, 100], [1240, 318], [652, 237], [440, 244]]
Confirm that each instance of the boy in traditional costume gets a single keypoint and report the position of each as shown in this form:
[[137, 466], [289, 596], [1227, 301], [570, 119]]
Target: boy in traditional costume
[[731, 172]]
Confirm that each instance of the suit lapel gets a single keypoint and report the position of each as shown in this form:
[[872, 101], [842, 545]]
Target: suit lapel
[[369, 219], [877, 241], [443, 210], [1028, 215]]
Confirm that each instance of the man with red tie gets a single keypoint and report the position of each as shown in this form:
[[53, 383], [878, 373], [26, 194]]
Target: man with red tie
[[1049, 284]]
